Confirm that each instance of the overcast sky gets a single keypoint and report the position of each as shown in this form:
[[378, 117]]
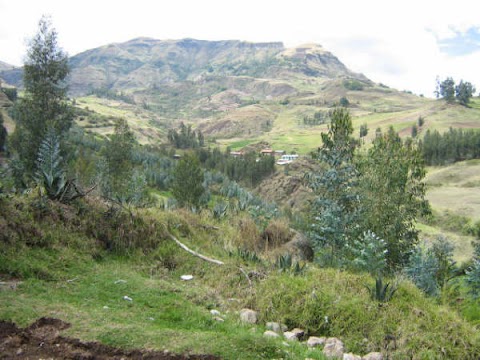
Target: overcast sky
[[405, 44]]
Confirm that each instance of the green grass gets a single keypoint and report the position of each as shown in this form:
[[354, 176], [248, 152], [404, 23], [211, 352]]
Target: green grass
[[67, 274]]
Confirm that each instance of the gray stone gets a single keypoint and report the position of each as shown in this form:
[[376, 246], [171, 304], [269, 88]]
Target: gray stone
[[215, 312], [333, 348], [351, 356], [290, 336], [218, 318], [274, 327], [314, 341], [248, 316], [373, 356], [270, 333]]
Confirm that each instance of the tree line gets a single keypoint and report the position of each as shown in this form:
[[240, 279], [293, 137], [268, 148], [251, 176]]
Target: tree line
[[451, 146]]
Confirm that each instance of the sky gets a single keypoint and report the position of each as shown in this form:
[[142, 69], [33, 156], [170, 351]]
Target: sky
[[404, 44]]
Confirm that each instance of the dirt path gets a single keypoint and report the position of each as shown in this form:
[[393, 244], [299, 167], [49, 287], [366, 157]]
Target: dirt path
[[42, 340]]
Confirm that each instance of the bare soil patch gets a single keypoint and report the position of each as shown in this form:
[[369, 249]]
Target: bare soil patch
[[42, 340]]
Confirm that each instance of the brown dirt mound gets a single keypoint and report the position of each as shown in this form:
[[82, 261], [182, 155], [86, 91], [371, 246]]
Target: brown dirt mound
[[42, 340]]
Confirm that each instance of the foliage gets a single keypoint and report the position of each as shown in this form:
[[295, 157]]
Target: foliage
[[414, 131], [420, 121], [286, 263], [328, 302], [446, 89], [452, 146], [247, 168], [473, 279], [464, 92], [44, 104], [186, 138], [353, 85], [450, 92], [382, 292], [119, 181], [319, 117], [220, 210], [369, 254], [344, 102], [443, 252], [11, 93], [393, 194], [422, 269], [3, 134], [188, 179], [335, 207], [363, 130]]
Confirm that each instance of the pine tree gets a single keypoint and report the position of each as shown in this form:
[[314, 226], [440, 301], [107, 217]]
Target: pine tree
[[44, 104], [188, 181]]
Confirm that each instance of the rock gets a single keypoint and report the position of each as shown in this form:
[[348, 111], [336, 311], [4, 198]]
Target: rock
[[248, 316], [186, 277], [299, 333], [215, 312], [351, 356], [278, 328], [333, 348], [300, 247], [219, 319], [373, 356], [290, 336], [270, 333], [314, 341]]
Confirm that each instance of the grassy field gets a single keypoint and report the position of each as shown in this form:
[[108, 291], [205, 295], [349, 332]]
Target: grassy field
[[66, 273], [147, 126], [456, 188]]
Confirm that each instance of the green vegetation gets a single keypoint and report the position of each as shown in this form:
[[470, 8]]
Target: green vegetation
[[110, 261], [188, 181], [451, 146], [44, 104]]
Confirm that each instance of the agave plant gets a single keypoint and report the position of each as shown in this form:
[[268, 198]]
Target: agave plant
[[220, 210], [382, 292]]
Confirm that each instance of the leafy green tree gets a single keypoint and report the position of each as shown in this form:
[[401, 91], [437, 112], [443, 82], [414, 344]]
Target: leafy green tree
[[464, 92], [393, 194], [344, 102], [421, 121], [118, 173], [422, 269], [414, 131], [369, 254], [443, 251], [335, 207], [44, 104], [363, 130], [446, 89], [188, 181]]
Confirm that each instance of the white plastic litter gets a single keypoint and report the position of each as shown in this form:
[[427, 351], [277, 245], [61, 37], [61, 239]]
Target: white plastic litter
[[186, 277], [128, 298]]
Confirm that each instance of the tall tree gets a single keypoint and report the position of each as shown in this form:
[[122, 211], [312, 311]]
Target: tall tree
[[393, 194], [118, 154], [335, 207], [44, 104], [464, 92], [188, 181], [446, 89]]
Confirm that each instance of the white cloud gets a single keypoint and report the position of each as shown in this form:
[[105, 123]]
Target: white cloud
[[394, 43]]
